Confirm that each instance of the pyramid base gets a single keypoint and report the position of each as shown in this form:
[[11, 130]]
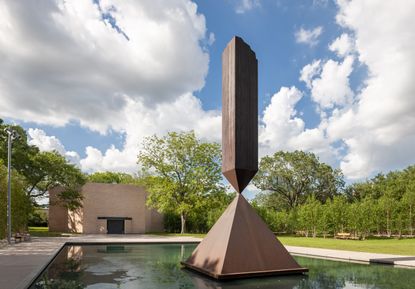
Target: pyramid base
[[242, 275], [240, 245]]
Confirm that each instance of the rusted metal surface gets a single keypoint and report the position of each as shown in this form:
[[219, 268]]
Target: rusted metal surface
[[240, 245], [239, 114]]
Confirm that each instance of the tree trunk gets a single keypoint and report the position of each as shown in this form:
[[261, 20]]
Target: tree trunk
[[183, 221]]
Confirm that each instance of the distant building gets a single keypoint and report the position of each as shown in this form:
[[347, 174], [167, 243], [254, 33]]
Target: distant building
[[107, 209]]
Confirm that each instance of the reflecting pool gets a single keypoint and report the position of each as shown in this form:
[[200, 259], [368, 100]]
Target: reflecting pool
[[156, 266]]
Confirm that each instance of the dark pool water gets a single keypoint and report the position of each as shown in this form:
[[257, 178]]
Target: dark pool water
[[157, 266]]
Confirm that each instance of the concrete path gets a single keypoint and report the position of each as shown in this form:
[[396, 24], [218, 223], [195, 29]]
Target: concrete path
[[21, 262], [352, 256]]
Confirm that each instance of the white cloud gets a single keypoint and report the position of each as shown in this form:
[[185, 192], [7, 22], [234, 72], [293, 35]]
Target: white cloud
[[332, 87], [44, 142], [280, 118], [374, 127], [61, 62], [94, 160], [342, 45], [379, 129], [130, 66], [309, 37], [246, 5], [141, 121], [47, 143], [283, 129], [310, 71], [65, 61]]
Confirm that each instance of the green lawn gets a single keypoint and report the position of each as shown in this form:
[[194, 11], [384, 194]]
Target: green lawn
[[179, 235], [387, 246], [43, 232]]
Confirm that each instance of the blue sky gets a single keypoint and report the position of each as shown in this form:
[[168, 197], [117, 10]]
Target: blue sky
[[92, 81], [270, 31]]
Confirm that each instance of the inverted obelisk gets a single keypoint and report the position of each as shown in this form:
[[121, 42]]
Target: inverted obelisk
[[240, 244], [239, 114]]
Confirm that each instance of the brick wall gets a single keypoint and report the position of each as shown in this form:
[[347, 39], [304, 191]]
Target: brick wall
[[107, 200]]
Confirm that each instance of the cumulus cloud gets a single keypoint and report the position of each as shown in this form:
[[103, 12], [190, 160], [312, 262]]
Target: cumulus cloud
[[133, 66], [379, 129], [39, 138], [283, 129], [332, 86], [129, 66], [309, 72], [184, 114], [86, 60], [342, 45], [375, 125], [246, 5], [309, 37], [140, 122]]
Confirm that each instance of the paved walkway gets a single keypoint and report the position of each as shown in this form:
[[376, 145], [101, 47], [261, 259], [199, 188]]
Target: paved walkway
[[352, 256], [21, 262]]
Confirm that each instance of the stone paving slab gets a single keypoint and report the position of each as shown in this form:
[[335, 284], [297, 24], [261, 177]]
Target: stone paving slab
[[21, 262]]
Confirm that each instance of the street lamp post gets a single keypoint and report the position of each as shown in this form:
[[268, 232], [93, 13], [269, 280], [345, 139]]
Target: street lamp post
[[11, 135]]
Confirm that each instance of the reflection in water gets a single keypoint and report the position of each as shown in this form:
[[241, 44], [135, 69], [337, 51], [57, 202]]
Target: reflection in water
[[157, 266]]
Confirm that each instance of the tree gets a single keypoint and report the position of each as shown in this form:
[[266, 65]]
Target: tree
[[21, 205], [310, 214], [358, 191], [387, 204], [22, 152], [42, 170], [338, 213], [50, 169], [409, 202], [293, 176], [111, 178], [184, 172], [361, 217]]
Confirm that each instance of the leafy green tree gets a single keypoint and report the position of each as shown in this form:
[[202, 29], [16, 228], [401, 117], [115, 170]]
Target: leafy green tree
[[400, 219], [22, 152], [38, 218], [360, 217], [358, 191], [42, 170], [111, 178], [290, 177], [51, 169], [337, 210], [184, 173], [216, 205], [409, 202], [310, 214], [21, 205], [387, 204], [325, 224]]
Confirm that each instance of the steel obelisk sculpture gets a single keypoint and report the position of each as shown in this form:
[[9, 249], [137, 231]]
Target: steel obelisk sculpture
[[239, 114], [240, 244]]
